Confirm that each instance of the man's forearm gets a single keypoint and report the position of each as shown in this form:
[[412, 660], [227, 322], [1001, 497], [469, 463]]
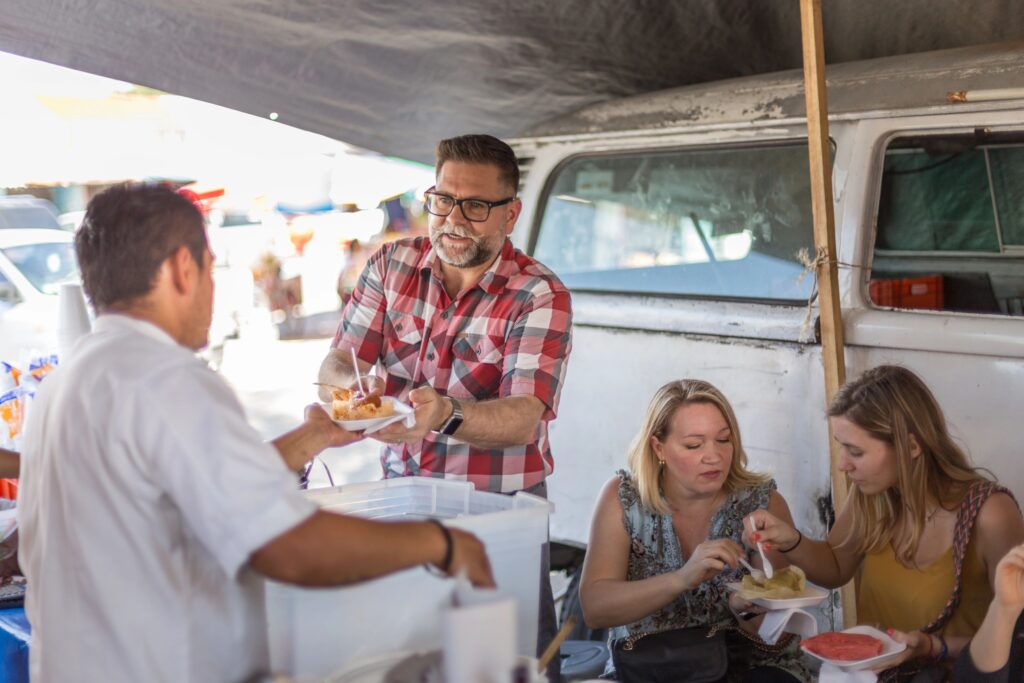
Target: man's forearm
[[501, 423], [330, 549]]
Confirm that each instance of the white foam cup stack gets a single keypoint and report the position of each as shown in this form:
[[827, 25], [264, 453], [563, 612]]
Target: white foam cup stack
[[72, 318]]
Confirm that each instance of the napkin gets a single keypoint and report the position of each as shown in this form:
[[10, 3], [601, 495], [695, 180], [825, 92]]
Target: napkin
[[72, 318], [409, 420], [779, 621], [478, 636], [830, 673]]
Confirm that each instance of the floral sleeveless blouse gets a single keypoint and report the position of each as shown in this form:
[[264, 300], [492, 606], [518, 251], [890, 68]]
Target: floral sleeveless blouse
[[655, 550]]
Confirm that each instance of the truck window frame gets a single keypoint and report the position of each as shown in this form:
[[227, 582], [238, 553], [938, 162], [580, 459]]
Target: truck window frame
[[1001, 135]]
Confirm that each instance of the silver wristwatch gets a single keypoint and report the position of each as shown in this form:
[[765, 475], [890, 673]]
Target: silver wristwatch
[[454, 421]]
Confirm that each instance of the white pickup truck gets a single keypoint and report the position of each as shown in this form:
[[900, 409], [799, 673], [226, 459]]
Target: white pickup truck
[[676, 218]]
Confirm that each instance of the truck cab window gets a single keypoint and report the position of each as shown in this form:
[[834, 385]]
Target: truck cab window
[[716, 223], [951, 225]]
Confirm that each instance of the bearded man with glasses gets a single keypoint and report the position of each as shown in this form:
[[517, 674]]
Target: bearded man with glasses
[[470, 331]]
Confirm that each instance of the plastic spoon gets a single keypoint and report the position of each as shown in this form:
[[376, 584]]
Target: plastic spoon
[[355, 366], [768, 570], [756, 574]]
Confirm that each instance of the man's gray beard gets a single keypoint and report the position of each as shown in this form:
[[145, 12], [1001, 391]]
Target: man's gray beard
[[474, 255]]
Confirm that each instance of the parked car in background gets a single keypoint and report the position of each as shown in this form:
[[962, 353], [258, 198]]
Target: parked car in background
[[25, 211], [71, 220], [33, 263]]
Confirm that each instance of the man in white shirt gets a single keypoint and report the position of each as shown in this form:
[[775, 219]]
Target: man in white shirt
[[148, 504]]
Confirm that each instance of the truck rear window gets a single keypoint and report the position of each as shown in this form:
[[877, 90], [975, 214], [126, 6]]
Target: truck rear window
[[951, 225], [716, 223]]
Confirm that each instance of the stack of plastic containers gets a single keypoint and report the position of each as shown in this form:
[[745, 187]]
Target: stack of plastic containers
[[313, 632]]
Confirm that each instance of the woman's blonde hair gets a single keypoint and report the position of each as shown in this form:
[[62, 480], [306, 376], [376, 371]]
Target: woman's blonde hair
[[891, 403], [643, 461]]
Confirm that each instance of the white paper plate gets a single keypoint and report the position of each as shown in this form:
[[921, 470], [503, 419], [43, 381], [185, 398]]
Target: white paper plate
[[890, 651], [812, 596], [372, 424]]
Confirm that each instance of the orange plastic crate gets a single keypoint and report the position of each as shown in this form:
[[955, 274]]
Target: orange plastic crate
[[9, 488], [909, 292], [881, 292]]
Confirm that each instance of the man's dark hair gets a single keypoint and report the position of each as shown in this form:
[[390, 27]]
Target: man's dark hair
[[128, 231], [481, 149]]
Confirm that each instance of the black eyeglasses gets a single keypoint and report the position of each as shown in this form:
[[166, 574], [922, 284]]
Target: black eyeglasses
[[475, 210]]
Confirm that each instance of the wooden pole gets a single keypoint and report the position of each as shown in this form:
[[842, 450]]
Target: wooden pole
[[832, 342]]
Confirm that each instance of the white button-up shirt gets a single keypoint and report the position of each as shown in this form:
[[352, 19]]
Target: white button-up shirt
[[143, 493]]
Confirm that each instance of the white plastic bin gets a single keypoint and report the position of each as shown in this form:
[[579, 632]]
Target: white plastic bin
[[318, 631]]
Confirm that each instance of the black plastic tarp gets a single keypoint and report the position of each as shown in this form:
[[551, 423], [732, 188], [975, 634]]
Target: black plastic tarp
[[395, 76]]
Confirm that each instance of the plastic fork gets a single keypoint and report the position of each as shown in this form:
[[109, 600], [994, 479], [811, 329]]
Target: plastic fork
[[756, 574], [768, 570]]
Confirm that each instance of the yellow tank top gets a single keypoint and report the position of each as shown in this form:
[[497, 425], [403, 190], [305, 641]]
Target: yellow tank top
[[890, 595]]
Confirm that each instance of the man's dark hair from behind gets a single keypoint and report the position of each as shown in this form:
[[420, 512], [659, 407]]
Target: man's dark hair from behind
[[481, 149], [128, 231]]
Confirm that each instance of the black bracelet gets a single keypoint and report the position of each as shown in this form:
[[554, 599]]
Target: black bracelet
[[799, 538], [446, 564]]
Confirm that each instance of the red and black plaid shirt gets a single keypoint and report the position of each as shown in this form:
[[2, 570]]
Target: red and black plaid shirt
[[509, 335]]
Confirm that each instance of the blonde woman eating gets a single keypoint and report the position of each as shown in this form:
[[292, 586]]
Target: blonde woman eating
[[922, 531], [666, 537]]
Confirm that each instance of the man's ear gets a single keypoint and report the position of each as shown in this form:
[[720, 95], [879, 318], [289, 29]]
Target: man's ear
[[182, 268], [513, 209]]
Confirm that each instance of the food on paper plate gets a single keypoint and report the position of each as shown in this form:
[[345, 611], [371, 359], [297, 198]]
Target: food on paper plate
[[788, 582], [354, 405], [844, 647]]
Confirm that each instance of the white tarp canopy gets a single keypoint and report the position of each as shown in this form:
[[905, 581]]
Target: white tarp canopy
[[394, 75]]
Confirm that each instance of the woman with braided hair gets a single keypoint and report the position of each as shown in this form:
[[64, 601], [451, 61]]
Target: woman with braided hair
[[922, 530]]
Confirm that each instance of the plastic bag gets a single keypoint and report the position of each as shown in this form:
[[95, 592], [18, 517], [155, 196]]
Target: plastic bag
[[8, 377], [40, 367], [15, 402], [12, 414]]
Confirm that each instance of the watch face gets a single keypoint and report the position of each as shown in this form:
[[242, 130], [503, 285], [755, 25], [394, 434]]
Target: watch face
[[455, 421], [453, 425]]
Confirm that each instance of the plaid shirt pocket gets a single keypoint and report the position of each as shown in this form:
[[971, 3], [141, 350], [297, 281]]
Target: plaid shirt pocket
[[477, 366], [403, 337]]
